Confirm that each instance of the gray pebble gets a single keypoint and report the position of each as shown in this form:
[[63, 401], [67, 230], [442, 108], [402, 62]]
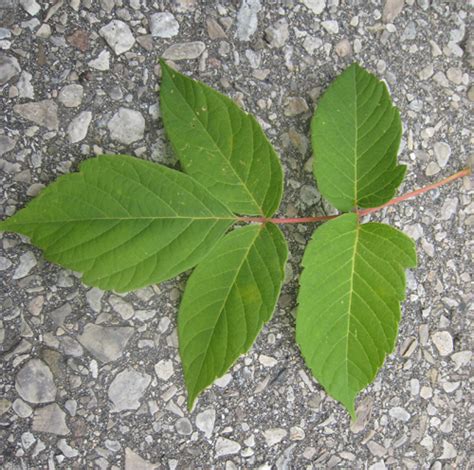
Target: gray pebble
[[127, 389], [118, 36], [22, 409], [163, 25], [71, 95], [78, 127], [247, 19], [183, 426], [442, 153], [50, 419], [105, 343], [127, 126], [184, 50], [316, 6], [34, 382], [44, 113]]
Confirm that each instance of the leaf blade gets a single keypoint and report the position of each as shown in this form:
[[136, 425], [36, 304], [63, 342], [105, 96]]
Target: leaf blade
[[245, 270], [220, 145], [349, 302], [356, 133], [123, 222]]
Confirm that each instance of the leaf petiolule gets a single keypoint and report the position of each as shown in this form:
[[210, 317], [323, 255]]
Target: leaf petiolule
[[220, 145], [356, 133], [228, 298], [123, 222], [351, 287]]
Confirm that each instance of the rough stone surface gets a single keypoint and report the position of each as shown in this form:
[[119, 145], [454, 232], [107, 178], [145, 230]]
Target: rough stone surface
[[275, 59], [71, 95], [50, 419], [118, 36], [163, 25], [105, 343], [185, 50], [44, 113], [316, 6], [9, 68], [77, 129], [127, 126], [127, 389], [34, 382]]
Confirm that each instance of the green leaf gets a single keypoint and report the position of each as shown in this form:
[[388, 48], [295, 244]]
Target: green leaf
[[123, 222], [356, 133], [220, 145], [228, 298], [349, 302]]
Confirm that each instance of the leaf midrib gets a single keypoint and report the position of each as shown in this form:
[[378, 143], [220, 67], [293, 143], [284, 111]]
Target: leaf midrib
[[351, 294], [224, 302], [94, 219], [260, 209]]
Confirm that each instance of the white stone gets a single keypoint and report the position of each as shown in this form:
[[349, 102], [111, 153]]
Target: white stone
[[310, 44], [164, 369], [101, 62], [184, 50], [66, 449], [94, 299], [274, 436], [71, 95], [316, 6], [134, 462], [127, 389], [21, 408], [50, 419], [118, 36], [442, 153], [163, 25], [30, 6], [391, 10], [105, 343], [223, 381], [6, 144], [449, 451], [205, 421], [27, 440], [34, 382], [183, 426], [25, 88], [449, 208], [443, 342], [343, 48], [461, 359], [122, 307], [127, 126], [277, 34], [5, 263], [399, 413], [78, 127], [297, 433], [9, 68], [331, 26], [44, 113], [44, 32], [226, 446], [267, 361], [247, 19]]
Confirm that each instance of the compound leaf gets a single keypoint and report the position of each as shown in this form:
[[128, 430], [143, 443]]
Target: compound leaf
[[228, 298], [123, 222], [349, 302], [356, 133], [220, 145]]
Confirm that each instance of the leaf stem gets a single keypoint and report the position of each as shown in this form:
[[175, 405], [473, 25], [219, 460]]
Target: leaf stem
[[322, 218]]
